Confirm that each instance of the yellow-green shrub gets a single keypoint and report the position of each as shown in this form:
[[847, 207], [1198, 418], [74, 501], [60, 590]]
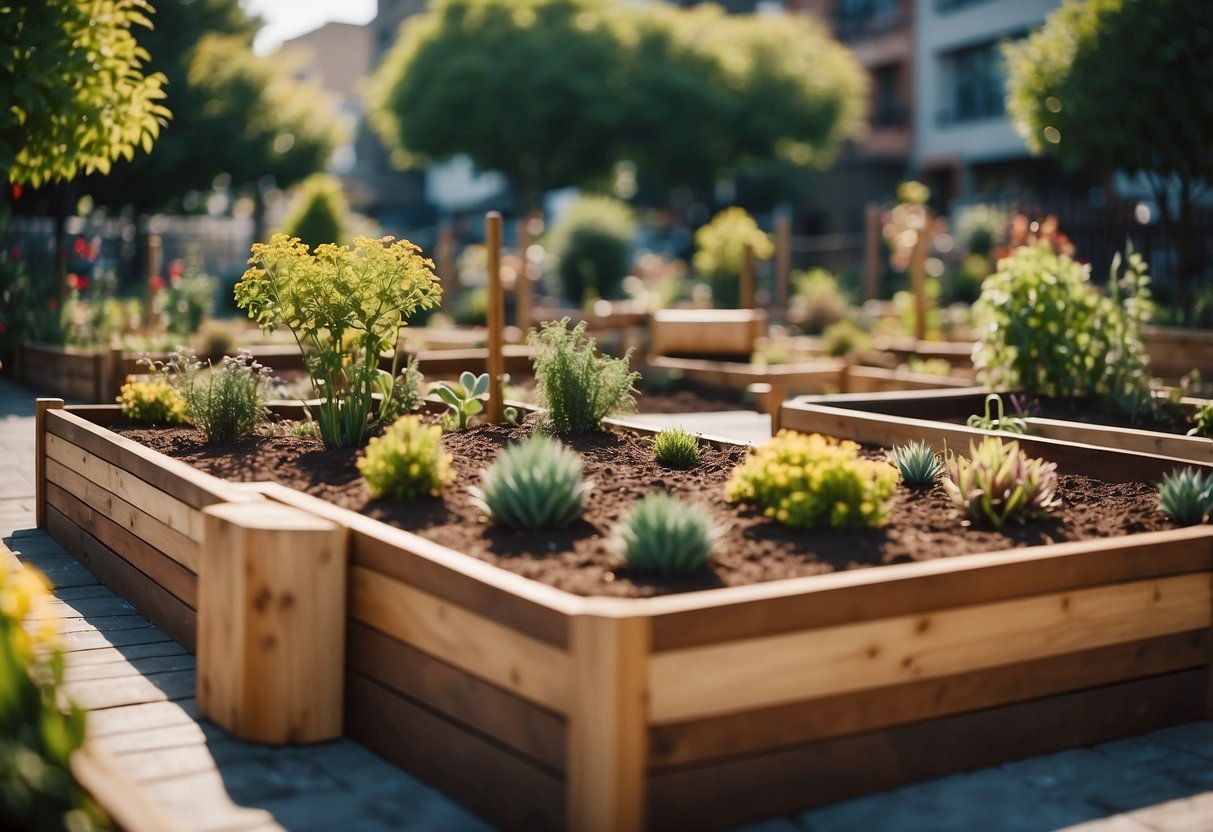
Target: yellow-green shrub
[[813, 480], [152, 403], [406, 461]]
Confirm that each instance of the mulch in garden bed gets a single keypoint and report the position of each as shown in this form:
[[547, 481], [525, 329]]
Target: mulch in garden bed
[[579, 559]]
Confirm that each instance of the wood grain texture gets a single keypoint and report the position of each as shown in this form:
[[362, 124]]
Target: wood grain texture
[[175, 545], [465, 639], [706, 331], [608, 739], [145, 557], [127, 805], [272, 608], [755, 787], [752, 673], [1196, 448], [694, 619], [529, 730], [41, 407], [153, 601], [814, 720], [507, 790]]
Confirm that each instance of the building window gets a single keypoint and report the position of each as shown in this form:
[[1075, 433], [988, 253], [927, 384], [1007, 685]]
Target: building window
[[944, 6], [887, 109], [859, 19], [975, 83]]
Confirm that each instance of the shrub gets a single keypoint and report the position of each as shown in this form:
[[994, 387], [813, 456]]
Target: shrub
[[577, 387], [811, 480], [980, 228], [38, 734], [720, 252], [345, 308], [187, 300], [225, 402], [154, 402], [465, 398], [592, 242], [844, 338], [998, 482], [917, 463], [667, 535], [535, 484], [817, 302], [1186, 496], [320, 212], [406, 461], [1044, 328], [676, 448]]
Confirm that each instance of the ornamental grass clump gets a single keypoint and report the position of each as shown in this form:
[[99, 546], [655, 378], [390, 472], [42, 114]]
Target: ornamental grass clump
[[676, 448], [345, 307], [812, 480], [999, 482], [535, 484], [154, 402], [666, 535], [917, 463], [407, 461], [225, 402], [1186, 496], [576, 387]]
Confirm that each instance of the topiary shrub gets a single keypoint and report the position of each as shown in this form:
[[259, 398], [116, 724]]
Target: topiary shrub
[[592, 244], [320, 212], [666, 535], [576, 387], [406, 461], [535, 484]]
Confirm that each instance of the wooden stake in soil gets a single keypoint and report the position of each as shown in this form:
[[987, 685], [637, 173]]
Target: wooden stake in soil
[[522, 283], [783, 261], [747, 277], [871, 251], [40, 408], [496, 316], [918, 279]]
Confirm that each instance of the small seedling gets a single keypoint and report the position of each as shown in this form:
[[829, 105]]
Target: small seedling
[[1002, 422], [464, 399], [917, 463]]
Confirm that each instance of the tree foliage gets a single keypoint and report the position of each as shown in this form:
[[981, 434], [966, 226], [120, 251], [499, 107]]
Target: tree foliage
[[555, 92], [1123, 85], [319, 215], [74, 94], [592, 243]]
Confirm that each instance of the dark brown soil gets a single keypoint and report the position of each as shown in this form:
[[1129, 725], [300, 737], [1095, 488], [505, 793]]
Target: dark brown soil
[[579, 559]]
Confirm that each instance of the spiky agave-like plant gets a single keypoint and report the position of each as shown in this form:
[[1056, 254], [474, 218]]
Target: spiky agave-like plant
[[1186, 496], [535, 484], [665, 534], [917, 463], [999, 482]]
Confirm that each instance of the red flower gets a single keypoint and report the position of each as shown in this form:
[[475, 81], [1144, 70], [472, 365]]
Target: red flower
[[156, 282], [16, 191], [176, 268], [82, 283], [15, 253], [80, 247], [73, 281]]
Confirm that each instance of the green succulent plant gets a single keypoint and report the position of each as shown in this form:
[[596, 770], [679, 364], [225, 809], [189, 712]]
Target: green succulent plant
[[535, 484], [666, 535], [465, 400], [676, 448], [999, 482], [1186, 496], [917, 463]]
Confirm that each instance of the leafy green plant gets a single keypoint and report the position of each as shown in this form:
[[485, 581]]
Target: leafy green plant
[[1202, 421], [38, 731], [844, 338], [817, 301], [465, 399], [154, 402], [1045, 329], [917, 463], [807, 480], [406, 393], [720, 252], [186, 300], [999, 482], [344, 307], [929, 366], [676, 448], [535, 484], [1186, 496], [577, 387], [666, 535], [320, 212], [592, 245], [406, 461], [225, 402], [996, 420]]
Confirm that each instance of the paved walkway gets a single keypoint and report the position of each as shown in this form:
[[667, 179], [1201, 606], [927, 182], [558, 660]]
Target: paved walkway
[[138, 686]]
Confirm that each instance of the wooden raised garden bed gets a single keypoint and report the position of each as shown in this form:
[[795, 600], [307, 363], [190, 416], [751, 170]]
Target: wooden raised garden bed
[[880, 413], [541, 709]]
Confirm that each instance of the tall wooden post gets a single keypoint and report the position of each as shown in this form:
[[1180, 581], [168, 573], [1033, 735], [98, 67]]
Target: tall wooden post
[[607, 733], [153, 270], [747, 277], [871, 252], [522, 284], [40, 408], [445, 255], [918, 278], [496, 316], [783, 261]]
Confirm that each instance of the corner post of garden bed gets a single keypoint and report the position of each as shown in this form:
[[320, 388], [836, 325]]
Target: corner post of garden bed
[[41, 406], [272, 597], [608, 722]]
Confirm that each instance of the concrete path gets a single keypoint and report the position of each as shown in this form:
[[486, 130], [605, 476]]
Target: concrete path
[[138, 686]]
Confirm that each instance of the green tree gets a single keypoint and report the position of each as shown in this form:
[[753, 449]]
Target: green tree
[[592, 243], [74, 96], [1123, 85], [319, 215]]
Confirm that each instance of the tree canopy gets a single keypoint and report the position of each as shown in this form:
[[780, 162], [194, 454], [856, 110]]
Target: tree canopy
[[1124, 85], [555, 92], [74, 94]]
